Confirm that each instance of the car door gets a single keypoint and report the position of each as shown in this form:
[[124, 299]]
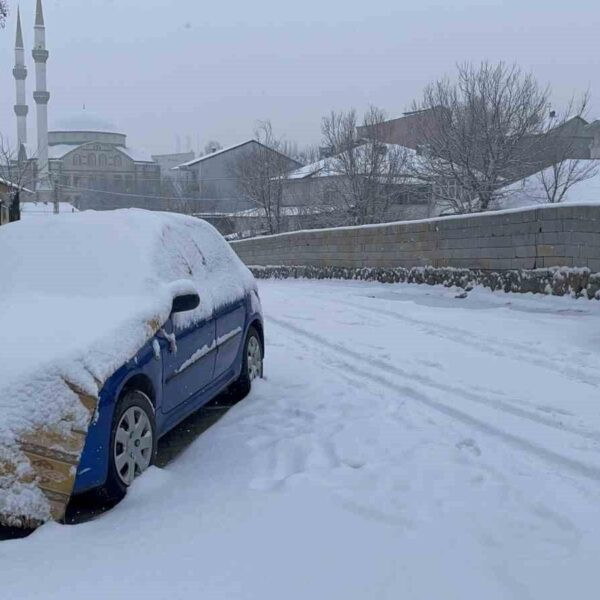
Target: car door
[[230, 324], [188, 361]]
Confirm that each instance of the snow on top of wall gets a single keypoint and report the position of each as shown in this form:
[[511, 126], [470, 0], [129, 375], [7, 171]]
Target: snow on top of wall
[[80, 295], [44, 209], [9, 184], [430, 220], [284, 211]]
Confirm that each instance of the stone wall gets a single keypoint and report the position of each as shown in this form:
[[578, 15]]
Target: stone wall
[[549, 236]]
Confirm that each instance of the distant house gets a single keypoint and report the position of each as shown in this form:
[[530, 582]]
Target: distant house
[[594, 132], [317, 186], [210, 177], [9, 200], [567, 138], [5, 201], [168, 162], [407, 130]]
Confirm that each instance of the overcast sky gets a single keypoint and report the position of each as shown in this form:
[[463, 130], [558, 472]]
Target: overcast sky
[[210, 70]]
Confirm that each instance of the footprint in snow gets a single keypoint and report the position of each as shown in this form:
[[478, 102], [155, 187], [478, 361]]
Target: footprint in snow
[[469, 445]]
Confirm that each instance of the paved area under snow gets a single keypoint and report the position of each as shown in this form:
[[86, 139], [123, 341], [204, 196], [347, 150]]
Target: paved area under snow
[[406, 444]]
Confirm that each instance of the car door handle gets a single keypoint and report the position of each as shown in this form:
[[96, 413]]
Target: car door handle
[[170, 337]]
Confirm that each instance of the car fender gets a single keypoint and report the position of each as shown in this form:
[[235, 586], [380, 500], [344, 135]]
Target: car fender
[[93, 466]]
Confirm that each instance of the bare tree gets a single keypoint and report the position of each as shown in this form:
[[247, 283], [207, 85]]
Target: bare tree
[[570, 160], [364, 176], [3, 12], [307, 155], [177, 197], [15, 166], [479, 132], [212, 146], [19, 171], [260, 173], [556, 181]]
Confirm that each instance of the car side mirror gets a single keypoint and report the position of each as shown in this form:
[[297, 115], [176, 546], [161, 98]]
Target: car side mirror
[[185, 303]]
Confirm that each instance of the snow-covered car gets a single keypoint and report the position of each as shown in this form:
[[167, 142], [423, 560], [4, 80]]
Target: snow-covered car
[[115, 327]]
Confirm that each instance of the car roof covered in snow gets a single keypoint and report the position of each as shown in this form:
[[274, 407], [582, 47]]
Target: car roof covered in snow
[[113, 253]]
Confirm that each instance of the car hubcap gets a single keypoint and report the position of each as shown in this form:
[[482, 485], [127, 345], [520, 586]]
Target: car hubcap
[[133, 444], [254, 359]]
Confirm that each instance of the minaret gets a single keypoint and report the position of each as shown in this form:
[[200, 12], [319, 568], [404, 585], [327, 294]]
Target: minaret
[[20, 75], [41, 97]]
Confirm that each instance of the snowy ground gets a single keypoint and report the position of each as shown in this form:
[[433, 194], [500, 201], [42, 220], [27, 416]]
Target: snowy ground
[[405, 445]]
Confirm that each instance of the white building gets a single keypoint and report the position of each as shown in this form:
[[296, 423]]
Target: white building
[[84, 160]]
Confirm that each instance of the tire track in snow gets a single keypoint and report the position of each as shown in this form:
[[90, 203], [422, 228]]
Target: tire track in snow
[[455, 334], [497, 404], [555, 458], [365, 508], [518, 351]]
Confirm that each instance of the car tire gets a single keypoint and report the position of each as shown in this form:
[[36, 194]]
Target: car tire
[[134, 413], [252, 366]]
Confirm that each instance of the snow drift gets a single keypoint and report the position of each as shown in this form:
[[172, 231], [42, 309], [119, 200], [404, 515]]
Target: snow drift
[[80, 294]]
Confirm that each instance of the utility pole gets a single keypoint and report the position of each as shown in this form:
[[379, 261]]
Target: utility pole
[[56, 202], [14, 209]]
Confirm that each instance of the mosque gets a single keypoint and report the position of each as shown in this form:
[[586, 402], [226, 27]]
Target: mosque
[[84, 160]]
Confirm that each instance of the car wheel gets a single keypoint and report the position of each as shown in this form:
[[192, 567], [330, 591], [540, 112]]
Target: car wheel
[[252, 366], [132, 442]]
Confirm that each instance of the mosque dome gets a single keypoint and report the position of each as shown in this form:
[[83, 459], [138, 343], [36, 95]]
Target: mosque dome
[[85, 120], [84, 127]]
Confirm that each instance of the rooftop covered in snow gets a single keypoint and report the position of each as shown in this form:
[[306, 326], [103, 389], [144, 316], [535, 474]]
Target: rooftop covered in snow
[[540, 187]]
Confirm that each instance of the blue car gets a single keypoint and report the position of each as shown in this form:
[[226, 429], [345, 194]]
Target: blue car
[[171, 377], [122, 324]]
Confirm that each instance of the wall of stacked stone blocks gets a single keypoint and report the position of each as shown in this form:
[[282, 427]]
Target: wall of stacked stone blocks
[[537, 238]]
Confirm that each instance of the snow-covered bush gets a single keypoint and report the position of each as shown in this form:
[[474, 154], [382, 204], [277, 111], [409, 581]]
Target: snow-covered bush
[[558, 281]]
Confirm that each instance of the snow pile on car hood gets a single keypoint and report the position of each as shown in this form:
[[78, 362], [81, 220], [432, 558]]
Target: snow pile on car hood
[[79, 295]]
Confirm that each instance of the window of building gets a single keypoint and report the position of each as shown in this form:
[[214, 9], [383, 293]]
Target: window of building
[[76, 160], [102, 160], [91, 161], [118, 161]]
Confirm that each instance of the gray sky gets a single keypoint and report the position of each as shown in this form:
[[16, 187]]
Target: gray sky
[[211, 69]]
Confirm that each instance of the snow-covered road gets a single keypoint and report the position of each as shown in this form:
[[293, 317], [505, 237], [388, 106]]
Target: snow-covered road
[[406, 444]]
